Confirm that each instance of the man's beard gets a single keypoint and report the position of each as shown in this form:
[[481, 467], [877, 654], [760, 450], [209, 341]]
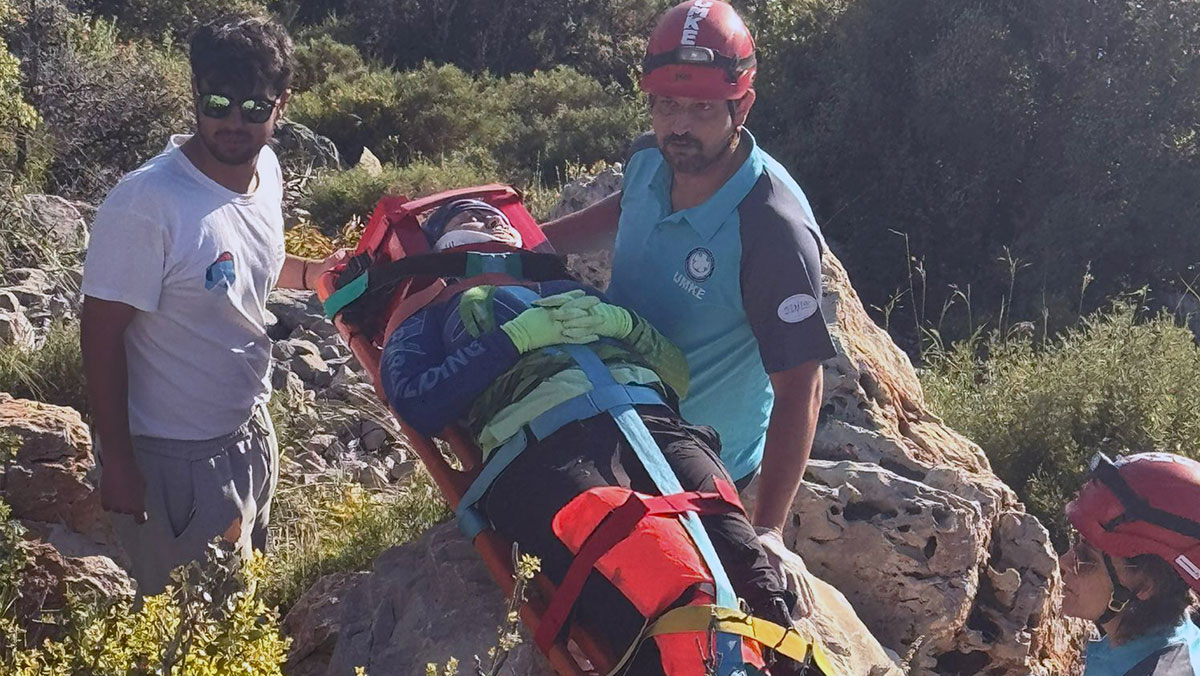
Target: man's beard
[[243, 154], [693, 160]]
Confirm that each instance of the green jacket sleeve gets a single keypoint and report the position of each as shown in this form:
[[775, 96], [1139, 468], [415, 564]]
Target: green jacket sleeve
[[661, 354]]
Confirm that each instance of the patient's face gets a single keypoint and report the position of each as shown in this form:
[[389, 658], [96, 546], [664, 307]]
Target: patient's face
[[479, 220]]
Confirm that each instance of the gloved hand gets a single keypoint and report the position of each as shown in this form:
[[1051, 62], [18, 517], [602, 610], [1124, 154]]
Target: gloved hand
[[560, 299], [584, 315], [602, 319], [790, 567], [536, 328], [475, 310]]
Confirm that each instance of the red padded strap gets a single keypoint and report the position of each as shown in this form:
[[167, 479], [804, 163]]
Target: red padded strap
[[617, 526]]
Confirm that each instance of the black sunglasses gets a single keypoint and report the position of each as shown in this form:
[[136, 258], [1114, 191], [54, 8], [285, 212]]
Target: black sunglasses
[[219, 106]]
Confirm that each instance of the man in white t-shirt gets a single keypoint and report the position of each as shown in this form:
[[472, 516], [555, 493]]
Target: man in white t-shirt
[[183, 253]]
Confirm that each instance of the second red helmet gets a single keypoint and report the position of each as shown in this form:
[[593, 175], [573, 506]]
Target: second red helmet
[[700, 49], [1148, 503]]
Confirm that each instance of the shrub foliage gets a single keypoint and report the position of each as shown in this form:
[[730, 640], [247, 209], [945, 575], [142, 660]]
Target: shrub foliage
[[1113, 384], [1064, 129], [521, 125], [107, 105], [209, 622]]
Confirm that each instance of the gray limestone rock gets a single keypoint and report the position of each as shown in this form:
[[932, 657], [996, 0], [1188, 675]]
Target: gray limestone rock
[[59, 221], [16, 329], [426, 601]]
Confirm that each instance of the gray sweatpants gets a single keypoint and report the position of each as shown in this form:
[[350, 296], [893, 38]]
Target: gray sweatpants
[[197, 491]]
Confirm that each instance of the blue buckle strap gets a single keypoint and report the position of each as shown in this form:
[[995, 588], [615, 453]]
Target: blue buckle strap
[[470, 520], [595, 401]]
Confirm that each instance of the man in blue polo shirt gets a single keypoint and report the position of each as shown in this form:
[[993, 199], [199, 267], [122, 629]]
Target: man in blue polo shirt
[[717, 247]]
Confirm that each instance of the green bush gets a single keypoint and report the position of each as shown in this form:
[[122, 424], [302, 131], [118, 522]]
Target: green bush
[[107, 105], [1041, 411], [562, 116], [429, 111], [525, 128], [1064, 129], [51, 372], [336, 197], [171, 20], [602, 38], [18, 119], [210, 621], [320, 58]]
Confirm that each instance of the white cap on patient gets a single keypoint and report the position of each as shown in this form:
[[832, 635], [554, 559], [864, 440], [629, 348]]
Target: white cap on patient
[[464, 237]]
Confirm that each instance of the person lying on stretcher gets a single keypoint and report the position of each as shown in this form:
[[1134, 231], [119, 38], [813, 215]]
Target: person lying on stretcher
[[496, 359]]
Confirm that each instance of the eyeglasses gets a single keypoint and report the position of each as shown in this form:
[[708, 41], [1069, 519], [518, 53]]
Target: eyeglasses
[[1085, 556], [218, 106]]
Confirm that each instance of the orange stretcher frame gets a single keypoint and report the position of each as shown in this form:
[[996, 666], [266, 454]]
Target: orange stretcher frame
[[392, 233]]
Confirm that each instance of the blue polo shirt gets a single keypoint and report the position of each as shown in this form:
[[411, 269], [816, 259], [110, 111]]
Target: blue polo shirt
[[735, 282]]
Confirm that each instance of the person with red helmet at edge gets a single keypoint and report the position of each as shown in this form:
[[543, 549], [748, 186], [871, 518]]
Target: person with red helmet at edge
[[1134, 565], [716, 245]]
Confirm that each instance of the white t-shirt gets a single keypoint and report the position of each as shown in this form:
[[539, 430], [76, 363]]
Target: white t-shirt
[[197, 260]]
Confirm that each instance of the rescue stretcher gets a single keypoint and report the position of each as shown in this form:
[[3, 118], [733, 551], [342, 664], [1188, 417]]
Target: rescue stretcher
[[392, 234]]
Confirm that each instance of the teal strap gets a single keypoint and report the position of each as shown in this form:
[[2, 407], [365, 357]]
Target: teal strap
[[656, 465], [346, 295], [479, 263], [470, 520], [590, 403]]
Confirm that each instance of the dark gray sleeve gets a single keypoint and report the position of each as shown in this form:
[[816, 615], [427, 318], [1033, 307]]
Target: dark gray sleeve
[[639, 144], [781, 278], [1174, 660]]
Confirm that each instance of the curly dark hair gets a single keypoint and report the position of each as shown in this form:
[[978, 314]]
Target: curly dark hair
[[1171, 602], [243, 54]]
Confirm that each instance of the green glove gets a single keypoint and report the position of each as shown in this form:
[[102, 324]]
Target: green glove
[[558, 300], [475, 310], [601, 319], [536, 328]]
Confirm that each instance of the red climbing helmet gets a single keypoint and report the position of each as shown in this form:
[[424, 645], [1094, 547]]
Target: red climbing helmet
[[1148, 503], [700, 49]]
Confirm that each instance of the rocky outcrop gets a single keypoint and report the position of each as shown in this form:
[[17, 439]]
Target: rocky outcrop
[[945, 566], [61, 222], [426, 601], [49, 576], [31, 300], [353, 434], [301, 150], [592, 268], [433, 599], [314, 623], [47, 477]]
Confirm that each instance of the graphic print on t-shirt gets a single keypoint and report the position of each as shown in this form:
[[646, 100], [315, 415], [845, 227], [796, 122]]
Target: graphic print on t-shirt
[[220, 274]]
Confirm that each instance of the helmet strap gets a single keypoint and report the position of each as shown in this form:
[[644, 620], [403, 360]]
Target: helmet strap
[[1120, 598]]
